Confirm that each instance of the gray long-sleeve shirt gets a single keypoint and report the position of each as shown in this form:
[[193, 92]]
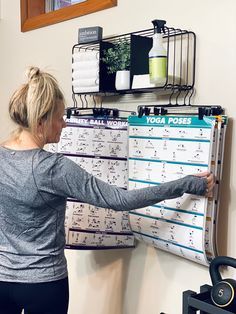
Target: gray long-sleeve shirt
[[34, 185]]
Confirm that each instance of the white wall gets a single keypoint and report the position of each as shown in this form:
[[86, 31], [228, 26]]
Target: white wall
[[143, 280]]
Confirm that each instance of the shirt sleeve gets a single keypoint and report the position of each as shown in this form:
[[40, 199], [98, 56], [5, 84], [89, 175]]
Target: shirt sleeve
[[70, 180]]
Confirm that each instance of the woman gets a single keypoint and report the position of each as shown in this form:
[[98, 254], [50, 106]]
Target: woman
[[34, 187]]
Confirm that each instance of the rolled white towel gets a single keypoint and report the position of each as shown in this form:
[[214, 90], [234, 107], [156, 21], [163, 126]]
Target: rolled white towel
[[86, 55], [86, 82], [85, 65], [85, 74], [85, 90]]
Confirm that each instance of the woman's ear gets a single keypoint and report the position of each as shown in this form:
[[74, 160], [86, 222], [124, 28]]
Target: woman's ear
[[42, 122], [41, 126], [42, 131]]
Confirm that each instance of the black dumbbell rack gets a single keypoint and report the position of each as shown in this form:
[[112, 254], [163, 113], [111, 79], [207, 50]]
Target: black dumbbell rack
[[194, 302]]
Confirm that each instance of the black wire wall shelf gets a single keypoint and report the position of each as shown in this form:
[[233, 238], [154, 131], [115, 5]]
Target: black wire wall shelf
[[181, 56]]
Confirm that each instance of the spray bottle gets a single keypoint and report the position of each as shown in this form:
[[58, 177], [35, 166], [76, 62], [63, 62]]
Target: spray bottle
[[158, 55]]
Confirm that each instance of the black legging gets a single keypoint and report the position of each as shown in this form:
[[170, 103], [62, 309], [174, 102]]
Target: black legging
[[34, 298]]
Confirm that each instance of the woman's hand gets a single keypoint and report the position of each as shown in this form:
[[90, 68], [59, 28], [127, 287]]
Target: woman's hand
[[210, 182]]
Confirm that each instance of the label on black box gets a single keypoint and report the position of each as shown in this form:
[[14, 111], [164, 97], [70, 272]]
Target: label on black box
[[89, 34]]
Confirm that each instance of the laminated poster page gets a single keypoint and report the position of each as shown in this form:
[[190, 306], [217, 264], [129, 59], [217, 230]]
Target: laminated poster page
[[166, 148], [100, 147]]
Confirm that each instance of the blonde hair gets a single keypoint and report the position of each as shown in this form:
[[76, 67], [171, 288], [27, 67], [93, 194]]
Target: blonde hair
[[35, 101]]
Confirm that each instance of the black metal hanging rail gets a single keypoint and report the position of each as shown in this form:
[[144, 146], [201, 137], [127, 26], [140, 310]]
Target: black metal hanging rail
[[95, 112], [181, 57], [201, 110]]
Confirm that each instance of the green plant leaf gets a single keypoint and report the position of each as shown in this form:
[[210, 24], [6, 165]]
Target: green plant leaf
[[117, 58]]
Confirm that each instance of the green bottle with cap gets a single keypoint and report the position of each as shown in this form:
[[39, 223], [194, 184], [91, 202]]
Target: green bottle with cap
[[158, 55]]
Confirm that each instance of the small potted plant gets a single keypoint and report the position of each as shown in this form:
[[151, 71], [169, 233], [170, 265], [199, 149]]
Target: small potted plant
[[117, 60]]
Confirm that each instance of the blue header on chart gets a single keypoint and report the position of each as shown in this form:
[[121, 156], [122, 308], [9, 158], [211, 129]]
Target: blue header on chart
[[185, 121]]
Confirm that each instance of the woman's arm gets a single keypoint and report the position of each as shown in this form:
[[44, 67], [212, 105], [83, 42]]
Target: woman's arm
[[70, 180]]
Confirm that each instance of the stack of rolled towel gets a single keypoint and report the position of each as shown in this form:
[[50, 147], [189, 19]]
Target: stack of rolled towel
[[85, 74]]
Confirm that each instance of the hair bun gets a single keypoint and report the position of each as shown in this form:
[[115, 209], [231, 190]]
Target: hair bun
[[32, 72]]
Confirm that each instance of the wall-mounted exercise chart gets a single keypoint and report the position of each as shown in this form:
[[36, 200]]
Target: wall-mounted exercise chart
[[165, 148], [100, 147]]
